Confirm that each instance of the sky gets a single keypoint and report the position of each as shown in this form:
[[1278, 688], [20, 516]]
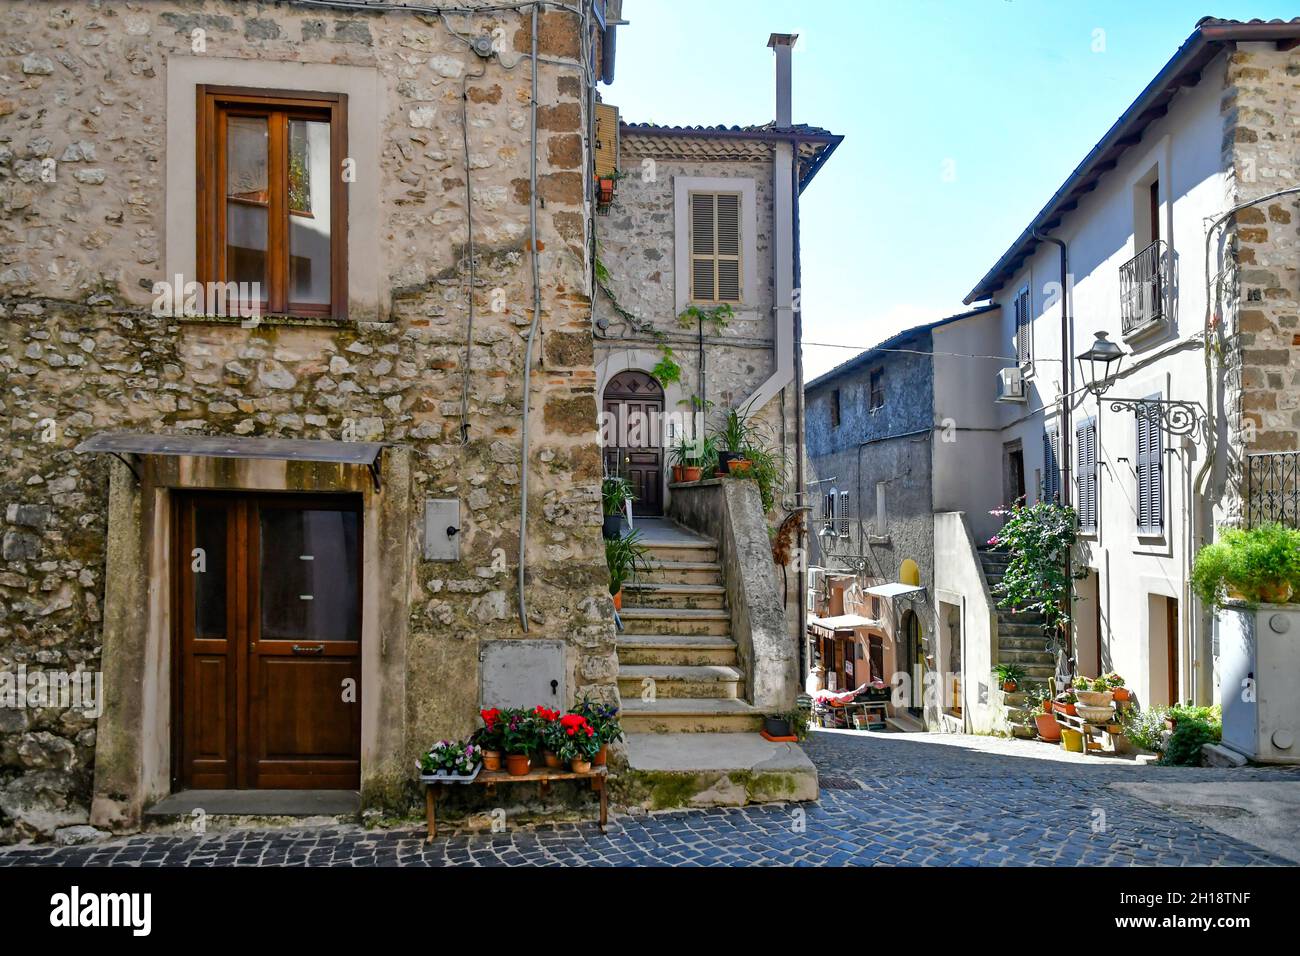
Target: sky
[[961, 118]]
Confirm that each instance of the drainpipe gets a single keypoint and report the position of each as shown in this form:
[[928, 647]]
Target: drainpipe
[[1066, 433], [532, 335]]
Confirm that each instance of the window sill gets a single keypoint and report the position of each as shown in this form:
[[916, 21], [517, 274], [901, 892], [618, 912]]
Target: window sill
[[305, 321]]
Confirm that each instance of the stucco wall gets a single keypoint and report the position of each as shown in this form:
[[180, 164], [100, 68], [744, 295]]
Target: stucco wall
[[79, 347]]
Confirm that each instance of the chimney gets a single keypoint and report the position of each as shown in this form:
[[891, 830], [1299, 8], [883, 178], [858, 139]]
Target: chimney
[[782, 44]]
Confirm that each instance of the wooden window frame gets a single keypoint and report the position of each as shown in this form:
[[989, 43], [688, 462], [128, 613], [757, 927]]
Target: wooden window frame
[[214, 104], [716, 257], [876, 389]]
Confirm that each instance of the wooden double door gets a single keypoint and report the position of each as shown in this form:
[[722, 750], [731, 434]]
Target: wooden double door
[[634, 407], [267, 664]]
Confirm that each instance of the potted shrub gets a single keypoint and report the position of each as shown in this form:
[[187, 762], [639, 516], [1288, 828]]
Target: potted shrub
[[777, 725], [488, 738], [1092, 693], [615, 493], [453, 761], [624, 557], [603, 719], [548, 722], [1255, 565], [580, 744], [1066, 704], [1009, 676], [520, 738]]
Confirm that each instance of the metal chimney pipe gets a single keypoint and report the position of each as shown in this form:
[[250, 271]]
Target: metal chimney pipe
[[782, 44]]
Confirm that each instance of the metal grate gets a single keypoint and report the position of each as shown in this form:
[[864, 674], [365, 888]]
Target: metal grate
[[1142, 288], [1273, 489]]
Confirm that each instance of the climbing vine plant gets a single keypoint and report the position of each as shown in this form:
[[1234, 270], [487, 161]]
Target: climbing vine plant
[[1038, 538]]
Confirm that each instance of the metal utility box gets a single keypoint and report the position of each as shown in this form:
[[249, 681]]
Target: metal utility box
[[1259, 667], [524, 674], [442, 529]]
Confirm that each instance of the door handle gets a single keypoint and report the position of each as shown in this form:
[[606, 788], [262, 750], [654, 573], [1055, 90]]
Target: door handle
[[304, 651]]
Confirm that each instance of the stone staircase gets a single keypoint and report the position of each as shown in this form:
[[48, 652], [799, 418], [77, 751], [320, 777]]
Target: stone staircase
[[677, 666], [692, 737], [1020, 641]]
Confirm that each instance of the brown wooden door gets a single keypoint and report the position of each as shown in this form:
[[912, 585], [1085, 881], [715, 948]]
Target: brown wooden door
[[634, 402], [268, 689], [1171, 629]]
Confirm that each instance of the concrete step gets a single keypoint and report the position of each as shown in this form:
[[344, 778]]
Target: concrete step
[[677, 650], [1007, 655], [682, 572], [1015, 629], [683, 596], [677, 681], [689, 551], [672, 770], [669, 716], [661, 620], [1009, 642]]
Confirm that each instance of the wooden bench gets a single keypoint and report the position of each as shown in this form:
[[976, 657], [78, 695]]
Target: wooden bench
[[542, 776]]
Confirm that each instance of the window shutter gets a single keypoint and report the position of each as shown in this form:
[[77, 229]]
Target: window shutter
[[1022, 326], [844, 514], [715, 247], [1150, 453], [1051, 466], [1085, 437]]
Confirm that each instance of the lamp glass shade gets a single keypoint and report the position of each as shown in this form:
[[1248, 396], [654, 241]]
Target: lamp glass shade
[[1101, 362]]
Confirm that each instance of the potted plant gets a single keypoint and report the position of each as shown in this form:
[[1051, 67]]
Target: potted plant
[[1116, 685], [520, 739], [1009, 676], [1091, 693], [777, 725], [677, 457], [1040, 699], [452, 761], [624, 557], [734, 436], [548, 730], [1255, 565], [603, 719], [1048, 727], [615, 493], [580, 744], [1067, 704], [488, 738]]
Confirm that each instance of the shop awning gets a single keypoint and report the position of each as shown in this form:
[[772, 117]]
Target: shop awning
[[842, 622], [894, 590], [223, 446]]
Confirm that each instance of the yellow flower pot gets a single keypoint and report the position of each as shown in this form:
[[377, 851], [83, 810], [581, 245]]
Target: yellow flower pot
[[1071, 740]]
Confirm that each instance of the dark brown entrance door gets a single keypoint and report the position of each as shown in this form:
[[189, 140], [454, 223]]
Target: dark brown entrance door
[[1171, 637], [634, 406], [268, 612]]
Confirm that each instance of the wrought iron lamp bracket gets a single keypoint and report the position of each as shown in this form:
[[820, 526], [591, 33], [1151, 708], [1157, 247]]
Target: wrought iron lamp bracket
[[1176, 418]]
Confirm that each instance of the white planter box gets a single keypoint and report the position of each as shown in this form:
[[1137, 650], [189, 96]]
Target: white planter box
[[1259, 660]]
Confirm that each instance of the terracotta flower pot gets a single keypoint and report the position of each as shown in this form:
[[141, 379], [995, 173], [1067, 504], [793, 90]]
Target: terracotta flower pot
[[1067, 709], [678, 471], [491, 760], [1278, 592], [1010, 686], [618, 600], [1048, 728], [740, 466], [1121, 693], [518, 765], [692, 473], [580, 766], [601, 756], [552, 760], [1047, 705]]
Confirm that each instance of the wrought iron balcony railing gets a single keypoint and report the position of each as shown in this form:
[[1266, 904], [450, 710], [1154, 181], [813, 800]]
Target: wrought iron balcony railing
[[1142, 282]]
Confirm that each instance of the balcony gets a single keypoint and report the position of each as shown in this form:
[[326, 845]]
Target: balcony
[[1142, 282]]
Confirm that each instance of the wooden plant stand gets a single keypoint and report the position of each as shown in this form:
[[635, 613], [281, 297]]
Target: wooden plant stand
[[542, 776]]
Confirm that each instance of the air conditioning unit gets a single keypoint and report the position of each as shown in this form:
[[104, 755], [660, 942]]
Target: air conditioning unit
[[1011, 385]]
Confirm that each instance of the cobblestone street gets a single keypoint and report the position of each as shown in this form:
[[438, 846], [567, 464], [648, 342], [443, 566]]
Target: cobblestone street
[[885, 800]]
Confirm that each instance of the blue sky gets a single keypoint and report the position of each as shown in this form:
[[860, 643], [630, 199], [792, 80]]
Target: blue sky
[[962, 117]]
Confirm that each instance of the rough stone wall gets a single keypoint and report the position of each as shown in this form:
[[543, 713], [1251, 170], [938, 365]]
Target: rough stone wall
[[79, 347], [1260, 106]]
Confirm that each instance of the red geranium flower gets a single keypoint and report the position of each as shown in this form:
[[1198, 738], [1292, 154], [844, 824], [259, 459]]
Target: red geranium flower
[[490, 717], [546, 715]]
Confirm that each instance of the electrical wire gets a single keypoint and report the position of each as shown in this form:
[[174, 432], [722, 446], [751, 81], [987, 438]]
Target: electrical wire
[[469, 229]]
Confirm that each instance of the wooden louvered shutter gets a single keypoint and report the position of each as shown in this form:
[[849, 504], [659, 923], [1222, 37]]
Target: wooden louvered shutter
[[1085, 437], [1022, 326], [1151, 505], [715, 247], [1051, 466], [844, 514]]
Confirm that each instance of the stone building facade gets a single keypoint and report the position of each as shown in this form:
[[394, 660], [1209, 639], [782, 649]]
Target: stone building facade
[[98, 160]]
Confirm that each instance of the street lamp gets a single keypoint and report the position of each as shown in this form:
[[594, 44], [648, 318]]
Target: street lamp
[[1096, 364], [1100, 365]]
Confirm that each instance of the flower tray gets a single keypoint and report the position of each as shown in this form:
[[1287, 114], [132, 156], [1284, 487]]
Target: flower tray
[[443, 776], [792, 739]]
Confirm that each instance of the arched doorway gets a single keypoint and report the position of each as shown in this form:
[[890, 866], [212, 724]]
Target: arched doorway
[[914, 656], [634, 404]]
